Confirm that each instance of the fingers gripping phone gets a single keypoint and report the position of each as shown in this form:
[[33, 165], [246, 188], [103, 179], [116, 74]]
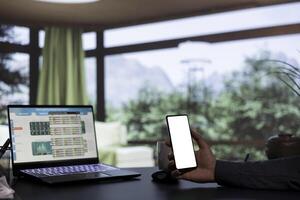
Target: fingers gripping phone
[[181, 141]]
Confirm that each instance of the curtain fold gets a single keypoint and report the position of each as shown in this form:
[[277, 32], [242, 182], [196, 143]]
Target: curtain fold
[[62, 76]]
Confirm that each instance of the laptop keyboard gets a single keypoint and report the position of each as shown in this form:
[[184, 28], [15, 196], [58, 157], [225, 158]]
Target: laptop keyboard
[[67, 170]]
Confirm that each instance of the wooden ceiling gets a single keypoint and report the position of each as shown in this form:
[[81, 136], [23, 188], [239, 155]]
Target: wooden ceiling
[[115, 13]]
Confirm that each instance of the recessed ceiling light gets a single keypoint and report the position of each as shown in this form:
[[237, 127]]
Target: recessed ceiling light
[[68, 1]]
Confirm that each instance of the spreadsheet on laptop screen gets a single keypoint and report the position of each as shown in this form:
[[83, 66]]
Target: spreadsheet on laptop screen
[[50, 134]]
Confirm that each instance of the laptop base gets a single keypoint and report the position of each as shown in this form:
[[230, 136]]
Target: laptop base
[[101, 176]]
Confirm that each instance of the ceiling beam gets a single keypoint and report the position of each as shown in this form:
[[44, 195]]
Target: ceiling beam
[[199, 12], [138, 21]]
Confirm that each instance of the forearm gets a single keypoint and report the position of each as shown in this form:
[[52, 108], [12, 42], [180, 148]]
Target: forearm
[[272, 174]]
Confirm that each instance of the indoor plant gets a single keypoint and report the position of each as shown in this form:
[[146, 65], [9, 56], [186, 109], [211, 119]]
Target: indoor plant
[[285, 144]]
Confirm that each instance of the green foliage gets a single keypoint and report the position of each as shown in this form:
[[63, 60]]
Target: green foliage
[[252, 105], [263, 106], [237, 152], [144, 116]]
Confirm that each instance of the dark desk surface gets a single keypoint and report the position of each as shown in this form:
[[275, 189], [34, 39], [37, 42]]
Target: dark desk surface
[[141, 189]]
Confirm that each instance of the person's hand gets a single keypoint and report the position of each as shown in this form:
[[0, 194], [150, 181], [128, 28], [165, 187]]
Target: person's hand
[[205, 170]]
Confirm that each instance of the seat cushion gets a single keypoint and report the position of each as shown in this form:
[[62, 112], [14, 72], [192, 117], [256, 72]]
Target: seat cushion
[[145, 163], [138, 156], [134, 154], [110, 134]]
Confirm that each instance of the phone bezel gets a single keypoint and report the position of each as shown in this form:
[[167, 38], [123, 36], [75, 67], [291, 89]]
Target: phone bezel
[[188, 168]]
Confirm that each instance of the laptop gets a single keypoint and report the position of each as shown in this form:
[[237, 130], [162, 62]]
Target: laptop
[[57, 144]]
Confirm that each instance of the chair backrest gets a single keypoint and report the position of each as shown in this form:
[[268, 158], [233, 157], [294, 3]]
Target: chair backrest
[[110, 134]]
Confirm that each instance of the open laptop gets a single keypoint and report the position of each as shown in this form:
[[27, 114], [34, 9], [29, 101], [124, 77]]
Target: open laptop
[[57, 144]]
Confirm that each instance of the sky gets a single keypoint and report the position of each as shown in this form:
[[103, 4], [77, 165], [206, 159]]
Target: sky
[[221, 58]]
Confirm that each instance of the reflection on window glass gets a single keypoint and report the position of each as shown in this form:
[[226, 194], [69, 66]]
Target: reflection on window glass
[[229, 90], [90, 78], [89, 40], [14, 81], [14, 34], [202, 25]]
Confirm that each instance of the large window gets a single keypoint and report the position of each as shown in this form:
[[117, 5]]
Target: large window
[[226, 89], [229, 89]]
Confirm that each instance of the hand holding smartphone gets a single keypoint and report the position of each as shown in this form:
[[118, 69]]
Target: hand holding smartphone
[[181, 141]]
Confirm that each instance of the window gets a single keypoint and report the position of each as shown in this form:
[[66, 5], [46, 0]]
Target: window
[[19, 63], [229, 93], [216, 84], [14, 67], [14, 86], [15, 34], [90, 78], [89, 40], [41, 38]]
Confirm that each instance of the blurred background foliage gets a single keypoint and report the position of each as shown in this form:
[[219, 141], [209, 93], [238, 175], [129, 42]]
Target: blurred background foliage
[[253, 104], [10, 80]]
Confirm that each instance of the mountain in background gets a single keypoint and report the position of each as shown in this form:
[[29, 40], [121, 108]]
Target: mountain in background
[[125, 77]]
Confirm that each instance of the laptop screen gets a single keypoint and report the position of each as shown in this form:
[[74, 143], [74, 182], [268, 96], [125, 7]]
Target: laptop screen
[[52, 133]]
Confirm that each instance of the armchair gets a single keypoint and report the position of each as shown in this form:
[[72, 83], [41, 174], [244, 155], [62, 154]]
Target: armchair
[[113, 149]]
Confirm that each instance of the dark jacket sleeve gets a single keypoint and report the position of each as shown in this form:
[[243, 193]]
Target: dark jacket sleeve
[[279, 174]]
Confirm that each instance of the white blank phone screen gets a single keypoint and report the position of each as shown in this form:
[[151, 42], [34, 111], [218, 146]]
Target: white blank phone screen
[[181, 142]]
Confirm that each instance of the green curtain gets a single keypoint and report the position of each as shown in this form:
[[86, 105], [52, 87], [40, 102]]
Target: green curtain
[[62, 76]]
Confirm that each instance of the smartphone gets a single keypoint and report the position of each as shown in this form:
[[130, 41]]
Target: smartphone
[[181, 141]]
